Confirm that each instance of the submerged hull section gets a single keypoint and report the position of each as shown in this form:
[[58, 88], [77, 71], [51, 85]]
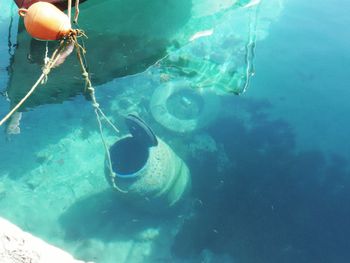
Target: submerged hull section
[[123, 39], [209, 43]]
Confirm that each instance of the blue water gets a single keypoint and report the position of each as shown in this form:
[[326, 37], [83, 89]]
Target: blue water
[[276, 189]]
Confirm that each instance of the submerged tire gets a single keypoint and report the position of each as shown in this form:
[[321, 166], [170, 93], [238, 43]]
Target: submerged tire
[[204, 104]]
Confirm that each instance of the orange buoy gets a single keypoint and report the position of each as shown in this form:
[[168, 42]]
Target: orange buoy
[[44, 21]]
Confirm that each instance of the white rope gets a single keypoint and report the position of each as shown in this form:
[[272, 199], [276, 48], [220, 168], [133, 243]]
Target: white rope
[[46, 61], [111, 172], [251, 44], [41, 78], [46, 70], [80, 53], [69, 9], [107, 120], [76, 11]]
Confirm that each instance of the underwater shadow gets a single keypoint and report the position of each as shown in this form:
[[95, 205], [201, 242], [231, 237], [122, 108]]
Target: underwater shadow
[[274, 204], [103, 216]]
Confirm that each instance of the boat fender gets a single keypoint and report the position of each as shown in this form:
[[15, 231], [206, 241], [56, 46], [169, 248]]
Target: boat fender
[[44, 21]]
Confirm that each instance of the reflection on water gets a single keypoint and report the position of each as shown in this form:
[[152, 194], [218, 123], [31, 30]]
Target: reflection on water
[[258, 193], [128, 40]]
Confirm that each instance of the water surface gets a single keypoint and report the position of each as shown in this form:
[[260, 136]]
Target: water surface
[[270, 173]]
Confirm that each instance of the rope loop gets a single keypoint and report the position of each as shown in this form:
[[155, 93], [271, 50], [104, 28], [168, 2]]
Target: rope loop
[[75, 33], [85, 74], [95, 105], [41, 80], [71, 37], [46, 70], [22, 12]]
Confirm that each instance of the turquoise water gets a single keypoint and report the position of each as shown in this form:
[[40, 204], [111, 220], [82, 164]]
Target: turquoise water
[[269, 168]]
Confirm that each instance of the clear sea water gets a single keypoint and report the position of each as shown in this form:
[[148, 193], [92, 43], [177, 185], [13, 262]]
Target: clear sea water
[[270, 171]]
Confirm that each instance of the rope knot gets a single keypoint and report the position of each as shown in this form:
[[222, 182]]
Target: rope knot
[[91, 90], [85, 74], [75, 33], [95, 105], [46, 70]]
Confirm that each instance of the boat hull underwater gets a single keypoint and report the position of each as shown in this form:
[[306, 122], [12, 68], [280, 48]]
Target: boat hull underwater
[[123, 39], [169, 37]]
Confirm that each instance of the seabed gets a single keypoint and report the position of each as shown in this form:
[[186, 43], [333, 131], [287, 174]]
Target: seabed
[[59, 191]]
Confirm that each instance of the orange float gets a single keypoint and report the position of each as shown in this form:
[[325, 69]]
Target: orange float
[[44, 21]]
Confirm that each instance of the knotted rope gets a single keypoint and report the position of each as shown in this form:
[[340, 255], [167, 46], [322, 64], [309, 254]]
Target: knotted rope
[[251, 44], [90, 89], [45, 72], [72, 37]]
